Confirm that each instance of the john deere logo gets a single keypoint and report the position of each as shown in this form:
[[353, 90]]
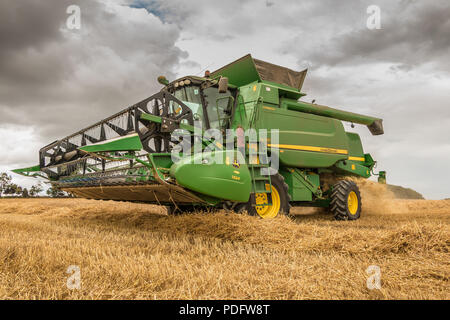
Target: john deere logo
[[236, 164]]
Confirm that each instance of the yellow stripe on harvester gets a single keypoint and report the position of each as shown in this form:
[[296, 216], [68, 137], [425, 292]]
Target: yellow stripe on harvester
[[308, 148], [357, 159]]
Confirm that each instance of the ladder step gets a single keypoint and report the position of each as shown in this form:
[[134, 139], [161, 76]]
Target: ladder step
[[261, 188]]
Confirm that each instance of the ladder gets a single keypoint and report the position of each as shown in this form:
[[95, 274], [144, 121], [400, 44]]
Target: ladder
[[260, 183]]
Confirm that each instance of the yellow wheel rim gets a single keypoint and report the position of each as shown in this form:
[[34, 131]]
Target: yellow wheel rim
[[352, 202], [268, 212]]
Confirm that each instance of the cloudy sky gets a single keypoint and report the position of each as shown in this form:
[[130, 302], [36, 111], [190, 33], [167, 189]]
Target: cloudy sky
[[55, 80]]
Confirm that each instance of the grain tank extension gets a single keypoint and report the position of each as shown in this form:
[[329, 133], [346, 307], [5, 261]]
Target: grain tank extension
[[129, 156]]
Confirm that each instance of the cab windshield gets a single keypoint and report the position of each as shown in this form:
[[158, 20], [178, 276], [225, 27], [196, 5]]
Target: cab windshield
[[190, 96], [207, 105]]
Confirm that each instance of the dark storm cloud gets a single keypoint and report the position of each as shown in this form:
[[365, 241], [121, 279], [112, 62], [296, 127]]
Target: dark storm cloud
[[59, 80], [411, 34], [27, 24]]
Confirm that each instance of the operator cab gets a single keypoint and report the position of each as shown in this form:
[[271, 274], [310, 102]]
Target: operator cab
[[211, 106]]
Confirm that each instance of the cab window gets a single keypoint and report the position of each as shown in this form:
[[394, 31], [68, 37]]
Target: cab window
[[218, 107]]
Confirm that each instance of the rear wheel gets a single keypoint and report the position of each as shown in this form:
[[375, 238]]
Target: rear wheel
[[345, 201], [280, 200]]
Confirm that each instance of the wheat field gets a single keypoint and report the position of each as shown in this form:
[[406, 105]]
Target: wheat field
[[135, 251]]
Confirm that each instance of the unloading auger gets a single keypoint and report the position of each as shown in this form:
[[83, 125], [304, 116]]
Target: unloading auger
[[129, 156]]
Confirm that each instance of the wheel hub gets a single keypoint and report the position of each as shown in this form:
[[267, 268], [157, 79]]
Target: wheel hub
[[352, 202], [264, 210]]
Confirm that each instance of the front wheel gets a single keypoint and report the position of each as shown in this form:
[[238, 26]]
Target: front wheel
[[345, 201], [280, 200]]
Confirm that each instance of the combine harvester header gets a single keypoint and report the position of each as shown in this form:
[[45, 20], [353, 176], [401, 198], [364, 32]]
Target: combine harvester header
[[280, 151]]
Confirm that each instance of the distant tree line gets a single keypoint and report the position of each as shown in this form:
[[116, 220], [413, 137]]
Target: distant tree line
[[9, 189]]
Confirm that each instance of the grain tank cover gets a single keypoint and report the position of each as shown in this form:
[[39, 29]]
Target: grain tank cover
[[272, 72], [246, 70]]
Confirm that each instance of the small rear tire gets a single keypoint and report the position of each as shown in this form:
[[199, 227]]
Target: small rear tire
[[345, 201]]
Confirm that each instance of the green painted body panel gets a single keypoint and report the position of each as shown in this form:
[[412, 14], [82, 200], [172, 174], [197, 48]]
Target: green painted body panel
[[34, 171], [314, 178], [352, 168], [240, 72], [269, 94], [285, 91], [369, 162], [28, 169], [297, 190], [355, 148], [162, 160], [299, 131], [306, 159], [130, 142], [329, 112], [223, 181]]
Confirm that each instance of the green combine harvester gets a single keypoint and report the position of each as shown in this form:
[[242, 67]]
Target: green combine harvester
[[248, 144]]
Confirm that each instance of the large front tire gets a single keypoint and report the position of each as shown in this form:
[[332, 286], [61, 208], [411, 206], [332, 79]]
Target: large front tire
[[280, 200], [345, 201]]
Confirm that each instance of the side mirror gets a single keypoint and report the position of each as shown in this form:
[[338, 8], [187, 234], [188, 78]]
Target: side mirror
[[223, 85]]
